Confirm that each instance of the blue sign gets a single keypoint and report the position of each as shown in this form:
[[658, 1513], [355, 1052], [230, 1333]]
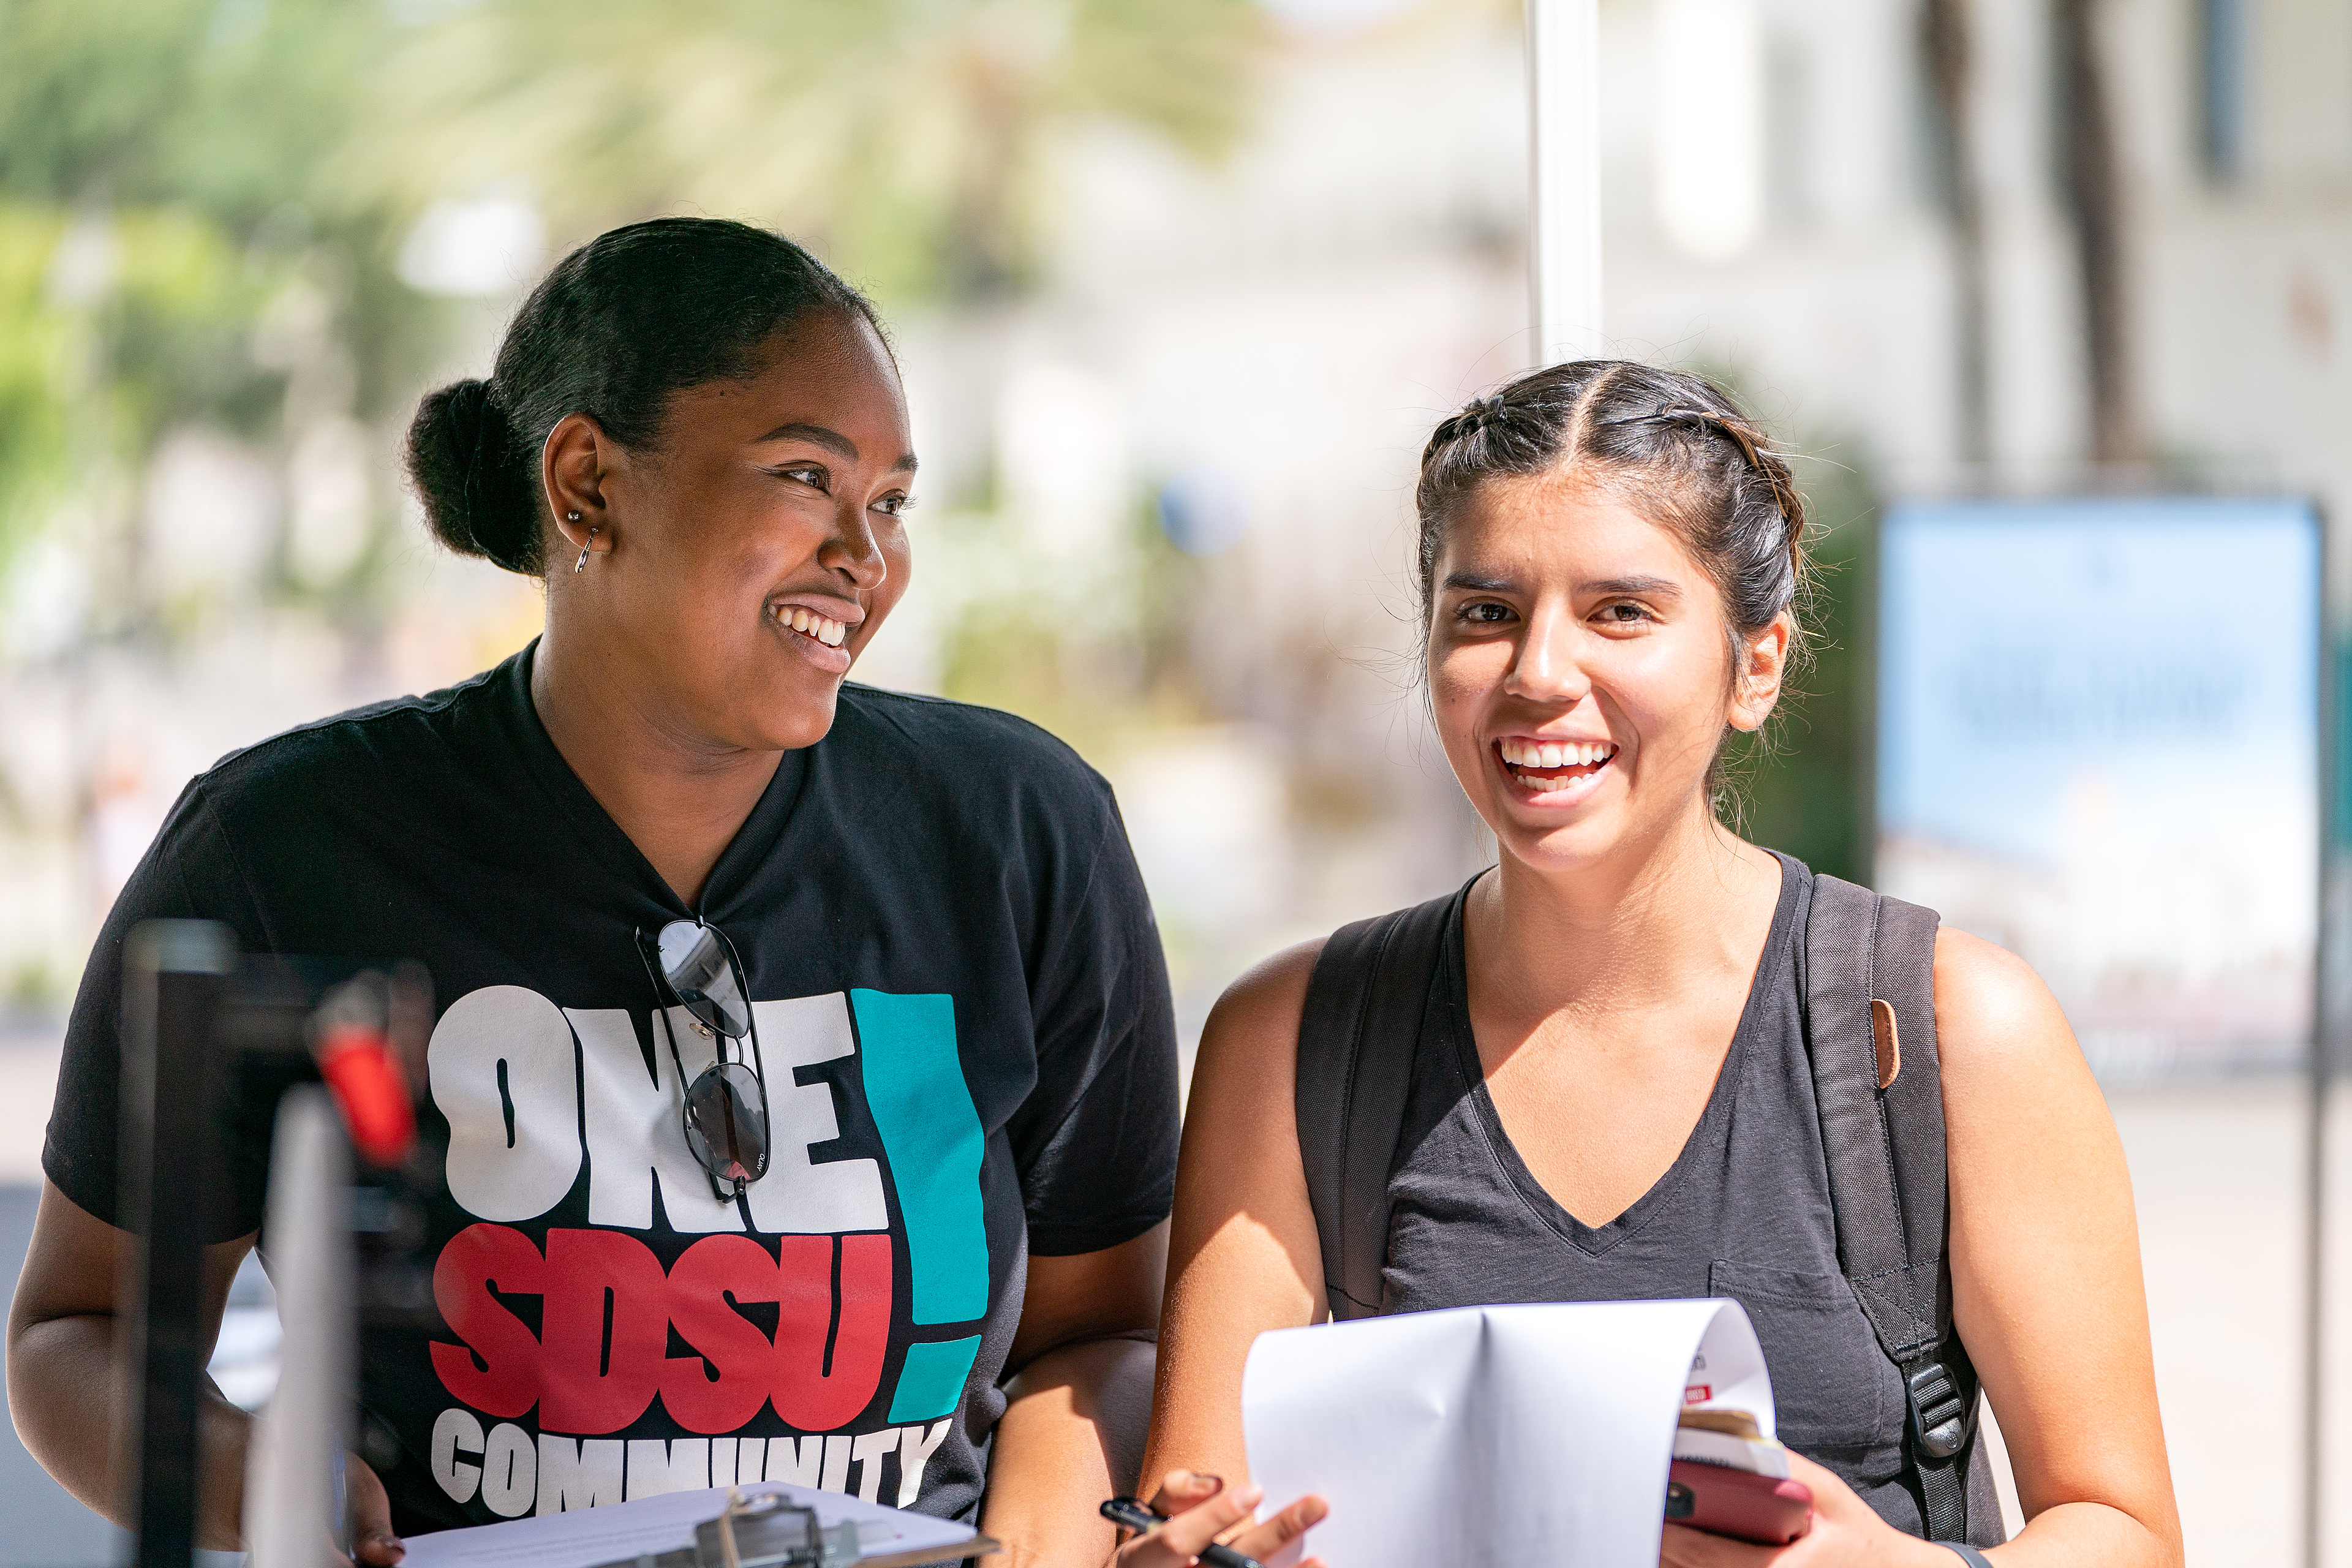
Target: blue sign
[[2098, 745]]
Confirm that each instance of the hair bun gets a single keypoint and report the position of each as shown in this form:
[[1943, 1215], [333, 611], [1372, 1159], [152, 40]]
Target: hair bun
[[462, 460]]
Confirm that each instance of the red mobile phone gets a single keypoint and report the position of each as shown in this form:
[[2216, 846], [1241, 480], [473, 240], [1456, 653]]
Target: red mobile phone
[[1738, 1503]]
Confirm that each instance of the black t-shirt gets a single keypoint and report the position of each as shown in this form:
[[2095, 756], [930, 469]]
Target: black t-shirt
[[962, 1007]]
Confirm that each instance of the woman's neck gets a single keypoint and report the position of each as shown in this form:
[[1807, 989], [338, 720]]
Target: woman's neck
[[680, 797], [1628, 932]]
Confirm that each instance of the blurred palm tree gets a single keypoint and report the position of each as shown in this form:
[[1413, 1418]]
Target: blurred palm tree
[[202, 200], [911, 140], [168, 231]]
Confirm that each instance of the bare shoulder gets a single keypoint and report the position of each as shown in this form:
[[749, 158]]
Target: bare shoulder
[[1990, 1002], [2000, 1035], [1270, 992], [1252, 1033]]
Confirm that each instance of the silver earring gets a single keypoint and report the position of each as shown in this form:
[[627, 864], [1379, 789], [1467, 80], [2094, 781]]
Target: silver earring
[[574, 517]]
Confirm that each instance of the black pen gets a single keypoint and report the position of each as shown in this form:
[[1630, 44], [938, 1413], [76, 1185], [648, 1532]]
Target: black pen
[[1129, 1514]]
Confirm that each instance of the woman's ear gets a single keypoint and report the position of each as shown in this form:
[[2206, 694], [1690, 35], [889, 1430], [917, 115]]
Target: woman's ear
[[1766, 657], [572, 468]]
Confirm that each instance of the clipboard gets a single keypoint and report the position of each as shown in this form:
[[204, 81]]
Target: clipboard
[[687, 1557], [660, 1531]]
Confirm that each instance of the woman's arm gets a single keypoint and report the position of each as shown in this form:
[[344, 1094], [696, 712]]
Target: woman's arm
[[2046, 1294], [66, 1394], [65, 1386], [1244, 1249], [1072, 1433], [2046, 1283]]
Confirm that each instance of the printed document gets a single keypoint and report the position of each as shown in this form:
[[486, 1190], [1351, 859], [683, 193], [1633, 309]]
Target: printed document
[[1494, 1436]]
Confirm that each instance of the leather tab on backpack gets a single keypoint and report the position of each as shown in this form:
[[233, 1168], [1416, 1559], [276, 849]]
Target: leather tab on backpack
[[1888, 1039]]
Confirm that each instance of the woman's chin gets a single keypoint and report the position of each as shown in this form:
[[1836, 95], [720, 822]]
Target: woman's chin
[[781, 715], [1550, 838]]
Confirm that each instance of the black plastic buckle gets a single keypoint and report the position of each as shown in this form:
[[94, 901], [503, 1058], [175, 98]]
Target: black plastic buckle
[[1939, 1414]]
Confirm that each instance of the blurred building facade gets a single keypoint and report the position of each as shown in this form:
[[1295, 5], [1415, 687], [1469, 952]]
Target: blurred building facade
[[1277, 336]]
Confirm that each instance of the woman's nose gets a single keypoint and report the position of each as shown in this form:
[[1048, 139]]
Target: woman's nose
[[854, 552], [1549, 667]]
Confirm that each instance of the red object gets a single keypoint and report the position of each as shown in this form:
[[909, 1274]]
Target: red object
[[365, 1077], [1738, 1503], [607, 1319]]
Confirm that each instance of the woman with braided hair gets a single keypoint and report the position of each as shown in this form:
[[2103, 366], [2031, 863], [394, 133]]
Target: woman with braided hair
[[1612, 1091]]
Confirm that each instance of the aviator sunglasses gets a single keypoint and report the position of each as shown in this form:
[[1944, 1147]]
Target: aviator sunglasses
[[695, 968]]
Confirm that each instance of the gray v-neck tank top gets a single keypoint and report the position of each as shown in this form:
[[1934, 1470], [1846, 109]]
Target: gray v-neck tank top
[[1744, 1211]]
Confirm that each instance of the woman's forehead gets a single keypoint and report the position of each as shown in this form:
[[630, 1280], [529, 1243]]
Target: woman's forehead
[[1549, 527], [823, 370]]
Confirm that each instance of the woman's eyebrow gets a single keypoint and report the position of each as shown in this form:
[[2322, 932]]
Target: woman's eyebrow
[[1657, 588], [1471, 582], [832, 441]]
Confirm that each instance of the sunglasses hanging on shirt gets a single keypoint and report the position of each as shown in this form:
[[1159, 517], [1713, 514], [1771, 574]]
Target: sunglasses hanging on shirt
[[695, 968]]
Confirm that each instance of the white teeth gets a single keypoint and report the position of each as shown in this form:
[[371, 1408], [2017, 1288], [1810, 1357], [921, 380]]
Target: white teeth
[[1551, 756], [810, 624]]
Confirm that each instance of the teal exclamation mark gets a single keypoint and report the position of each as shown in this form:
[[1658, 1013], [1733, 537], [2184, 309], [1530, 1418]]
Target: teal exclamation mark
[[923, 1109]]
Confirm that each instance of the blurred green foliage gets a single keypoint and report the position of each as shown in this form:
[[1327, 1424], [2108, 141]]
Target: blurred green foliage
[[1802, 786], [909, 140], [166, 217], [37, 345], [230, 107], [202, 200], [1099, 657]]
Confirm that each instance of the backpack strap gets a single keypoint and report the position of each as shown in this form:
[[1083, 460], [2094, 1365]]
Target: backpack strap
[[1870, 1027], [1357, 1035]]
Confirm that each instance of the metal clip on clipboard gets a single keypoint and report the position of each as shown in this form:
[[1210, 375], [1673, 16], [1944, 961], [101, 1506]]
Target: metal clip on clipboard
[[767, 1531]]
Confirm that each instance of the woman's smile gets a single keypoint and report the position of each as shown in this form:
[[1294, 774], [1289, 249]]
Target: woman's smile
[[813, 634], [1553, 773]]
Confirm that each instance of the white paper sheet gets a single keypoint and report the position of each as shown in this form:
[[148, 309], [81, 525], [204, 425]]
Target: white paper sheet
[[586, 1537], [1509, 1436]]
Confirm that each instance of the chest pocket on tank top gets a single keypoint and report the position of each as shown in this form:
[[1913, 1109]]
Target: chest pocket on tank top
[[1831, 1386]]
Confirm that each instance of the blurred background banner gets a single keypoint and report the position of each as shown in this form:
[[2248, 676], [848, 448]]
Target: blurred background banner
[[2098, 746]]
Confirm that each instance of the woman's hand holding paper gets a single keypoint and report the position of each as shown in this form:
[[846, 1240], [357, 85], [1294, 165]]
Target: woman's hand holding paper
[[1846, 1533], [373, 1545], [1201, 1510]]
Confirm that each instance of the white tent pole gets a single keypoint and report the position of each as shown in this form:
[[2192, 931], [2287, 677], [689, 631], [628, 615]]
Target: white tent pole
[[292, 1489], [1564, 178]]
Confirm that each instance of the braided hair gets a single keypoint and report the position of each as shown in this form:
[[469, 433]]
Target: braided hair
[[1674, 444], [1685, 453]]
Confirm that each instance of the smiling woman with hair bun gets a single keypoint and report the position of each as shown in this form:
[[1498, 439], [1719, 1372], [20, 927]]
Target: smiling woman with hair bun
[[804, 1081]]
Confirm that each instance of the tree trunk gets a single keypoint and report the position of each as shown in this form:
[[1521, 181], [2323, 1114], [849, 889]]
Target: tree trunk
[[2094, 209], [1945, 48]]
